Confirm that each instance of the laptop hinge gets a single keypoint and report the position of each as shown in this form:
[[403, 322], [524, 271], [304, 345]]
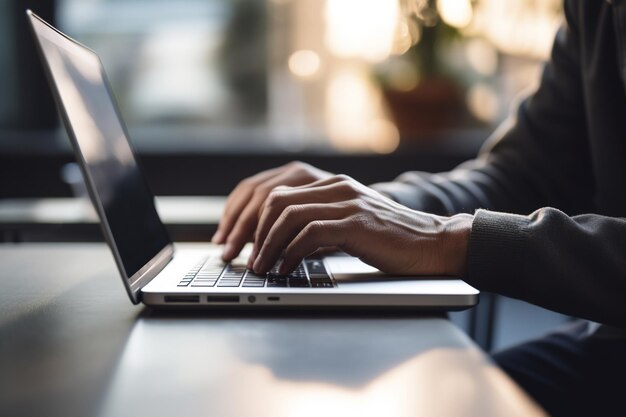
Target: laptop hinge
[[149, 271]]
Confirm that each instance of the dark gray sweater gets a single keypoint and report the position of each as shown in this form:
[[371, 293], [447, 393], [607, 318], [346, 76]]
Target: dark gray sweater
[[560, 164]]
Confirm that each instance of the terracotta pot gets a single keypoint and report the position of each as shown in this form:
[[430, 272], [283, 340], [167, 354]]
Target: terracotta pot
[[423, 113]]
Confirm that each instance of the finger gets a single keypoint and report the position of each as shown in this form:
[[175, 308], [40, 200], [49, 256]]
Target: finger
[[325, 181], [291, 222], [245, 225], [237, 201], [279, 199], [319, 253], [315, 235], [327, 191], [315, 184], [324, 251]]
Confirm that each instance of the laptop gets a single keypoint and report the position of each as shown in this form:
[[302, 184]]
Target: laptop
[[158, 273]]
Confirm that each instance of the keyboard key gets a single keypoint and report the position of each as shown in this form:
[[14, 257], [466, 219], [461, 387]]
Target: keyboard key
[[256, 284], [213, 272], [276, 281], [316, 267], [216, 271], [228, 284], [249, 278], [318, 277], [322, 284], [253, 280], [298, 283]]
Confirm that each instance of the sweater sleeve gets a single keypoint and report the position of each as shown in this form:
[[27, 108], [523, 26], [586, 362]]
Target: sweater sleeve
[[574, 265]]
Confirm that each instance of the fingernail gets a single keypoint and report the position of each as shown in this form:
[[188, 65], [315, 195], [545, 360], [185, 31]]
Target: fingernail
[[217, 237], [250, 262], [257, 266], [282, 268]]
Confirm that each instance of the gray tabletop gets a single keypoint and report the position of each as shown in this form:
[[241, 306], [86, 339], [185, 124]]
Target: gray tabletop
[[71, 344]]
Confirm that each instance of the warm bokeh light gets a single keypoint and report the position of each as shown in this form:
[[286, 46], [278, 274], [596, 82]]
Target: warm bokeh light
[[384, 136], [406, 36], [482, 56], [304, 63], [483, 102], [457, 13], [518, 27], [280, 66], [355, 115], [348, 106], [362, 29]]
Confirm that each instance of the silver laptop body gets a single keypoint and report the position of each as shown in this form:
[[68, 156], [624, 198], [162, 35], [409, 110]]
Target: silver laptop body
[[153, 270]]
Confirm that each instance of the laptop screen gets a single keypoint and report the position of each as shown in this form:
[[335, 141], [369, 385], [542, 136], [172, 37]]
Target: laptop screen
[[128, 204]]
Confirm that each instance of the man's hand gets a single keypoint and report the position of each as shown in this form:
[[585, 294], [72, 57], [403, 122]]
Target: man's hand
[[340, 212], [241, 213]]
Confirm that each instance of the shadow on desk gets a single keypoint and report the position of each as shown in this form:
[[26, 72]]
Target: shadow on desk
[[71, 344], [306, 346], [58, 351], [169, 363], [303, 365]]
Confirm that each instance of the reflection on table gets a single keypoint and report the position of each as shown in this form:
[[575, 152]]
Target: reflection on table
[[73, 345]]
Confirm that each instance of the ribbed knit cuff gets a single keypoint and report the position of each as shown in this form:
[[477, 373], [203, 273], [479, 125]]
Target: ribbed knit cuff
[[496, 252]]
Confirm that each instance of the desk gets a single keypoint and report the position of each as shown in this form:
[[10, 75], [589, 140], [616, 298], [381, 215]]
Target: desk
[[74, 219], [186, 218], [71, 344]]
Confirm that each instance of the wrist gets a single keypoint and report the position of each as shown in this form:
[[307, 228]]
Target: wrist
[[455, 239]]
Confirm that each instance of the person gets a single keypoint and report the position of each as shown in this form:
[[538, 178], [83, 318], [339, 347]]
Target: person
[[539, 215]]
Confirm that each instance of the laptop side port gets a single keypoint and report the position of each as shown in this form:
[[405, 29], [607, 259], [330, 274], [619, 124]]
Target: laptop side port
[[222, 299], [182, 298], [273, 298]]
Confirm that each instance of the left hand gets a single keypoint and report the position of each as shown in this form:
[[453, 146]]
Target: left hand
[[341, 212]]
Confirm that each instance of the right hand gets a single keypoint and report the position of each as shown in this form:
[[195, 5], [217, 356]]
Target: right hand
[[241, 213]]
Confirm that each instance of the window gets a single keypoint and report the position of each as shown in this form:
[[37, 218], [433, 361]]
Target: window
[[205, 85], [348, 75]]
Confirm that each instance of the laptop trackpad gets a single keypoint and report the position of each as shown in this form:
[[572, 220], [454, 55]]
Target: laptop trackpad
[[347, 268]]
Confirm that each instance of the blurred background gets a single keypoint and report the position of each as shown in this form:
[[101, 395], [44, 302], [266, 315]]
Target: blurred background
[[216, 90], [292, 75], [340, 77]]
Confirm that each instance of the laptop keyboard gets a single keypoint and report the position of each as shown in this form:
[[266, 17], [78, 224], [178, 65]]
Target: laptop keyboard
[[212, 272]]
